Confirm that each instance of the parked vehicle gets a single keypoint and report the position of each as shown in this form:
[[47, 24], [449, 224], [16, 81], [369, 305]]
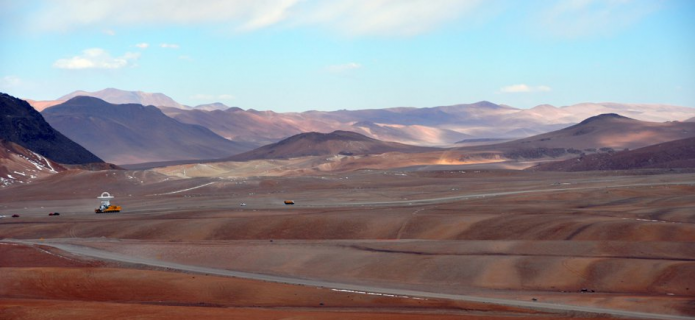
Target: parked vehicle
[[289, 202], [54, 214], [15, 216]]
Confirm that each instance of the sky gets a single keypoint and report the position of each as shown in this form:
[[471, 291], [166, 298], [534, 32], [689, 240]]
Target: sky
[[298, 55]]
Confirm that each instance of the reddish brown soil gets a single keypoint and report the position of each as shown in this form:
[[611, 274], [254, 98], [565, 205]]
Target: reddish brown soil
[[17, 256], [12, 309], [53, 293], [628, 237]]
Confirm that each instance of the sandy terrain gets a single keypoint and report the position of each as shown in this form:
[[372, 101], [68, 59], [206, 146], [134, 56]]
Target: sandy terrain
[[624, 237]]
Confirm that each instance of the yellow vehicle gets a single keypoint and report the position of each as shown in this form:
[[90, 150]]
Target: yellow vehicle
[[106, 205], [107, 209]]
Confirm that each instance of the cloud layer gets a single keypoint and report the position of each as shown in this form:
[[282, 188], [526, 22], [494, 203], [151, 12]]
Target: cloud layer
[[96, 58], [348, 16]]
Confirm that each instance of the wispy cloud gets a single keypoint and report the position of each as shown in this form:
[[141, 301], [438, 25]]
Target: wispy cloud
[[212, 97], [143, 45], [10, 82], [578, 18], [97, 58], [109, 32], [523, 88], [384, 17], [342, 68], [355, 17], [169, 46]]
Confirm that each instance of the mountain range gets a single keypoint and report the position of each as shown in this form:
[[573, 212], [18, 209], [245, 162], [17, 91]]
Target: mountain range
[[21, 124], [133, 133], [435, 126], [325, 144], [605, 133], [608, 131], [667, 155]]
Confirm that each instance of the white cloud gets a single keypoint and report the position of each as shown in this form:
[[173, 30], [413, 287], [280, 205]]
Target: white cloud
[[226, 97], [143, 45], [342, 68], [355, 17], [169, 46], [96, 58], [523, 88], [185, 58], [8, 82], [577, 18], [109, 32], [386, 17], [265, 16]]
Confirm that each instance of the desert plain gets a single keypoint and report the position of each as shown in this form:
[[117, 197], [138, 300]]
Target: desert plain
[[432, 243]]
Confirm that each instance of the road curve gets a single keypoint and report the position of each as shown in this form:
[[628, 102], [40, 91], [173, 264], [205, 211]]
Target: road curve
[[106, 255]]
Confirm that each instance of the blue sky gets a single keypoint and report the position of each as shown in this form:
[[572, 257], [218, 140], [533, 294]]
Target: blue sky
[[294, 55]]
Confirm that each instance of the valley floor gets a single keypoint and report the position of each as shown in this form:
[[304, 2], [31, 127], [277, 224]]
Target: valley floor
[[371, 244]]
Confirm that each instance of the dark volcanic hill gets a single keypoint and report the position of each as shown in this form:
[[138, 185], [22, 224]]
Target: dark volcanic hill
[[672, 154], [606, 131], [133, 133], [324, 144], [23, 125]]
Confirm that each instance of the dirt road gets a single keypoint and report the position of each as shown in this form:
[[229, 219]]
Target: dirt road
[[105, 255]]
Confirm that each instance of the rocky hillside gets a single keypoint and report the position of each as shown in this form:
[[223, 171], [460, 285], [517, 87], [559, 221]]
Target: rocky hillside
[[23, 125]]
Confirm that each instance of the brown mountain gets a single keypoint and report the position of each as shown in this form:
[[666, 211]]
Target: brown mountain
[[322, 144], [117, 96], [436, 126], [422, 126], [21, 124], [42, 105], [690, 120], [132, 133], [606, 131], [672, 154]]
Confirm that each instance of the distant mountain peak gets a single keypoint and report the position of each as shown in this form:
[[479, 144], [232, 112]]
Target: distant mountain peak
[[23, 125], [118, 96], [544, 107], [605, 117], [133, 133], [324, 144]]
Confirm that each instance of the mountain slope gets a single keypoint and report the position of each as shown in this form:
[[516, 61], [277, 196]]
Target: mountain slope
[[605, 131], [211, 106], [320, 144], [21, 124], [117, 96], [43, 105], [21, 165], [132, 133], [690, 120], [672, 154]]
